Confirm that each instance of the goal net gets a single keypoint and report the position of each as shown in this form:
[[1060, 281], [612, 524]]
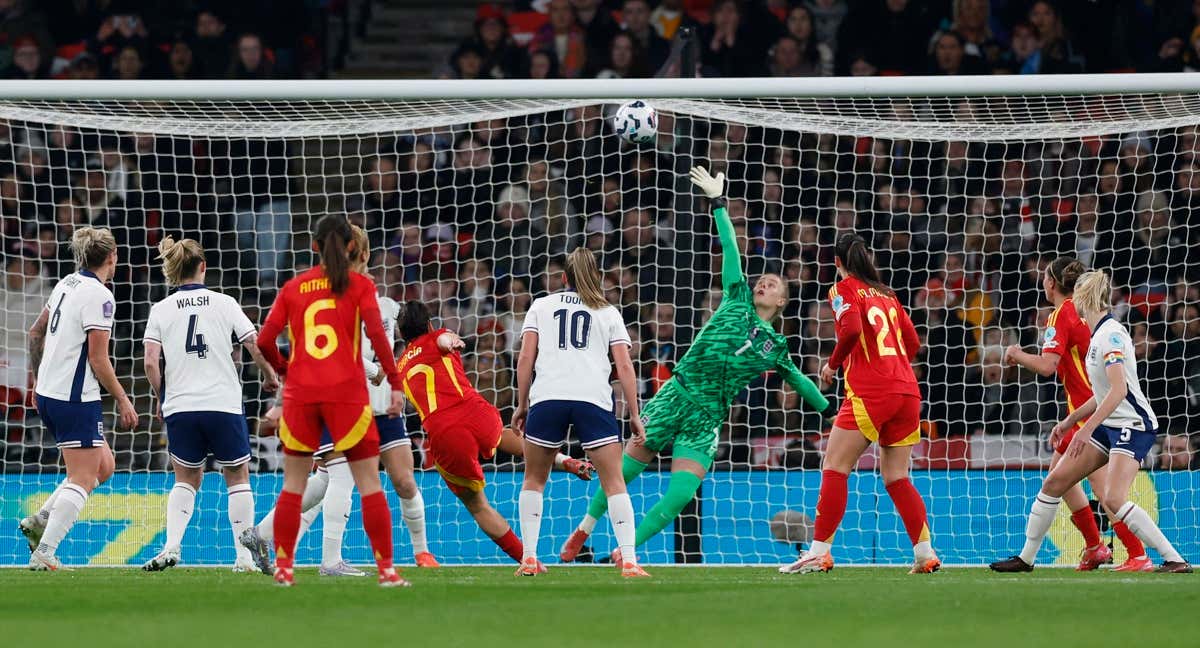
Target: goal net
[[470, 205]]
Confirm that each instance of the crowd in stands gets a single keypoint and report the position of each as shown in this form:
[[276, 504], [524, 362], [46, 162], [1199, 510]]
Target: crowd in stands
[[632, 38], [123, 39]]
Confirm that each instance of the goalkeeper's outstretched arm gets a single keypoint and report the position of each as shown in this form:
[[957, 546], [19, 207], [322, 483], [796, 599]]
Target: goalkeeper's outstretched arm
[[731, 258]]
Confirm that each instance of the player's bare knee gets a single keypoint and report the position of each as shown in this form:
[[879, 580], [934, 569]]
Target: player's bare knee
[[405, 485], [237, 475]]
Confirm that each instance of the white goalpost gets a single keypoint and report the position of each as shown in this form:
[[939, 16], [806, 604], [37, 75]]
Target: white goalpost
[[471, 191]]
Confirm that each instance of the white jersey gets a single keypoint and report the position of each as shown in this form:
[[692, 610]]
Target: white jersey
[[573, 349], [78, 304], [1112, 345], [381, 394], [197, 328]]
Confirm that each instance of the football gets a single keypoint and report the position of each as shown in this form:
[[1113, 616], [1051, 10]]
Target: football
[[636, 122]]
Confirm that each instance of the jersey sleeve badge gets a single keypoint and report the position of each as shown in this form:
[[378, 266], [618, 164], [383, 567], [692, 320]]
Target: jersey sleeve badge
[[839, 306], [1049, 339], [108, 309]]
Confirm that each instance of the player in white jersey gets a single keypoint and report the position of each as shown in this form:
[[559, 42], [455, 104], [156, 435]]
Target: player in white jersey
[[68, 350], [1119, 431], [333, 490], [189, 343], [567, 339]]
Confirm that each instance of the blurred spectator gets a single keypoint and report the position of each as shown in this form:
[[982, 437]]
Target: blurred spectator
[[543, 64], [514, 305], [212, 46], [970, 21], [128, 64], [950, 57], [501, 58], [23, 298], [116, 32], [27, 61], [1178, 452], [252, 61], [635, 17], [22, 20], [1023, 55], [563, 36], [625, 59], [467, 62], [595, 18], [181, 61], [726, 44], [83, 67], [815, 59], [891, 34], [1058, 55]]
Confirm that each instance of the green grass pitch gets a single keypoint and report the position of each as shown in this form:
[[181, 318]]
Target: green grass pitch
[[489, 607]]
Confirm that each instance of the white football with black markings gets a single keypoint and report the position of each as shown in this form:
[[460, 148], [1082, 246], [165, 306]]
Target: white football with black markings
[[636, 122]]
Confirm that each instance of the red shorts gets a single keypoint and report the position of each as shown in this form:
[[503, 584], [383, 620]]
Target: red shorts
[[890, 420], [352, 427], [458, 438], [1065, 443]]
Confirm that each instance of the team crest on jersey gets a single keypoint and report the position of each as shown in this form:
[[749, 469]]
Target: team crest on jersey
[[108, 308], [839, 306], [767, 346], [1050, 341]]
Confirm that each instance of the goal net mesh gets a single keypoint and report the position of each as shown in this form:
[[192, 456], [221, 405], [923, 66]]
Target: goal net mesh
[[470, 205]]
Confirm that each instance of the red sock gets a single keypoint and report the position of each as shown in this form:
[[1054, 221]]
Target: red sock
[[1085, 520], [1131, 541], [377, 522], [911, 508], [831, 505], [511, 545], [287, 527]]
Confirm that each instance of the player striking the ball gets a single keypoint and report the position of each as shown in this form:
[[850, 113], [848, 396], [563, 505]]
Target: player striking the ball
[[1119, 431], [736, 346], [1063, 350], [876, 344], [462, 426], [326, 388], [192, 332]]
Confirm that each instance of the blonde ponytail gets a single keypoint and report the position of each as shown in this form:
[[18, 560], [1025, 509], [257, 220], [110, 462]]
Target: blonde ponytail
[[583, 274], [1093, 293], [91, 247], [181, 259], [360, 249]]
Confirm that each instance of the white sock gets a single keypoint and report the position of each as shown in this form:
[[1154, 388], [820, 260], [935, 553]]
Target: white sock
[[818, 548], [1138, 521], [620, 513], [336, 510], [923, 550], [181, 502], [529, 504], [306, 521], [559, 459], [587, 524], [241, 516], [413, 510], [43, 513], [71, 499], [1041, 517], [314, 492]]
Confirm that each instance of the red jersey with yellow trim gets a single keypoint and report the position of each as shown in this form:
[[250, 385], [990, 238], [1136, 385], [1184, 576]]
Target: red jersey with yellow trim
[[324, 332], [434, 381], [1068, 337], [876, 340]]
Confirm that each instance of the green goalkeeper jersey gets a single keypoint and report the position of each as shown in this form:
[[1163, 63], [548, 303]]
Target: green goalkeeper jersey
[[736, 345]]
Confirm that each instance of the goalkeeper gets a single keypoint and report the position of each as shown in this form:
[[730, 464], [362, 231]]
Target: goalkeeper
[[736, 346]]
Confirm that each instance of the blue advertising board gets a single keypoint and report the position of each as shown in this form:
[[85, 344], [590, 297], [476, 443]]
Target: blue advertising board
[[975, 517]]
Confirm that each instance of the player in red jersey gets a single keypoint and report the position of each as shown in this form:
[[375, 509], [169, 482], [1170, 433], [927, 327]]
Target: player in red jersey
[[462, 426], [324, 310], [876, 343], [1064, 347]]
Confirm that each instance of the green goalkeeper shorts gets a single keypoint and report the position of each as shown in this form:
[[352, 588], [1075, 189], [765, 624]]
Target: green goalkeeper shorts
[[672, 418]]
